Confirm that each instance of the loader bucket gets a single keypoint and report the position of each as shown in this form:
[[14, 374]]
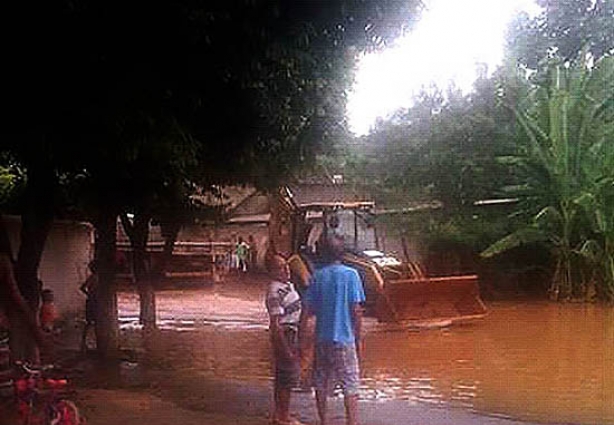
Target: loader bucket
[[417, 300], [372, 278], [450, 299]]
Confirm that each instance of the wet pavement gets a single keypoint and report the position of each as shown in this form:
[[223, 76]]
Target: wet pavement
[[234, 402]]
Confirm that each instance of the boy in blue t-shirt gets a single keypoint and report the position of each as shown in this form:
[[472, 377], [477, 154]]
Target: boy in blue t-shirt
[[334, 297]]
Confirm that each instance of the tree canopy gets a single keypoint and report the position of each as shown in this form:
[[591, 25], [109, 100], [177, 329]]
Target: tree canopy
[[564, 28], [133, 103]]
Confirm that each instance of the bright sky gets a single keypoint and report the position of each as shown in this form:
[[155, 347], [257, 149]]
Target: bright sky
[[452, 37]]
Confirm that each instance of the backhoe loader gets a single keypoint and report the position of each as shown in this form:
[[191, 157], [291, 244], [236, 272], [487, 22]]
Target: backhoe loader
[[396, 291]]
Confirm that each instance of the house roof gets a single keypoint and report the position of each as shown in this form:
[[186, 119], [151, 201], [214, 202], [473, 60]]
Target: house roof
[[254, 207], [247, 219], [319, 193], [303, 195], [231, 196], [257, 203]]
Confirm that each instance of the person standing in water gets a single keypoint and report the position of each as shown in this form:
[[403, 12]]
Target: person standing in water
[[335, 298], [284, 307], [242, 254]]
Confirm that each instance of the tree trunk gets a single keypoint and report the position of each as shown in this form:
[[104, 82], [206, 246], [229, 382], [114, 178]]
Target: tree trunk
[[36, 223], [170, 231], [147, 294], [138, 232], [280, 225], [34, 232], [107, 330]]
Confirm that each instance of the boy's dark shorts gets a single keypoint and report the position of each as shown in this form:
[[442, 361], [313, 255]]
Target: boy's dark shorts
[[287, 372]]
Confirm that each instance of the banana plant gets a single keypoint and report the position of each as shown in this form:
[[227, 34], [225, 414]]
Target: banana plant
[[598, 203], [599, 249], [565, 157]]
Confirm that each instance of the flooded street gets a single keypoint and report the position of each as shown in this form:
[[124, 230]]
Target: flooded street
[[530, 361], [537, 361]]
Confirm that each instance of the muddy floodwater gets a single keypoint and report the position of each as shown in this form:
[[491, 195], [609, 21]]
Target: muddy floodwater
[[532, 361]]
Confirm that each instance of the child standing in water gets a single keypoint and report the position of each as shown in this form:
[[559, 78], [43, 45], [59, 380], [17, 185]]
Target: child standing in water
[[48, 312], [284, 307]]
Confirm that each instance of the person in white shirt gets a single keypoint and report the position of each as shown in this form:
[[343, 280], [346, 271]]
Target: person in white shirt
[[284, 307]]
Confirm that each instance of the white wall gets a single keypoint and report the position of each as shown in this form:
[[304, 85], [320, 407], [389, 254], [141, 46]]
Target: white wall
[[67, 253]]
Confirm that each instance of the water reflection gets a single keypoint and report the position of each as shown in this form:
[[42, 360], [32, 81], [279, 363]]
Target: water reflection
[[535, 361], [538, 362]]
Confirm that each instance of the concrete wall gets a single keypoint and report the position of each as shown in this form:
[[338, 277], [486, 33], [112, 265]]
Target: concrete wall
[[64, 263]]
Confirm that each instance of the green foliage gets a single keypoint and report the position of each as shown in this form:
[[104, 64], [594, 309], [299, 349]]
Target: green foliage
[[6, 180], [443, 148], [524, 236], [563, 29], [12, 183], [565, 160], [476, 229], [7, 184], [456, 160]]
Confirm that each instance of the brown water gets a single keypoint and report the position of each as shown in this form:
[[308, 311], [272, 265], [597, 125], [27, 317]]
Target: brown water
[[536, 361], [531, 361]]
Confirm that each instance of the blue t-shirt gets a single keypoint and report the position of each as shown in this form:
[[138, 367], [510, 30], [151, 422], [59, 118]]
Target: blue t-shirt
[[333, 291]]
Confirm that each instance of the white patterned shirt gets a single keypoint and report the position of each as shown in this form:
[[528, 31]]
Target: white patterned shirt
[[283, 300]]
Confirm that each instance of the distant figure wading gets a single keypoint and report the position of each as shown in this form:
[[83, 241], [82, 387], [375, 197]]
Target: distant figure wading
[[242, 251]]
